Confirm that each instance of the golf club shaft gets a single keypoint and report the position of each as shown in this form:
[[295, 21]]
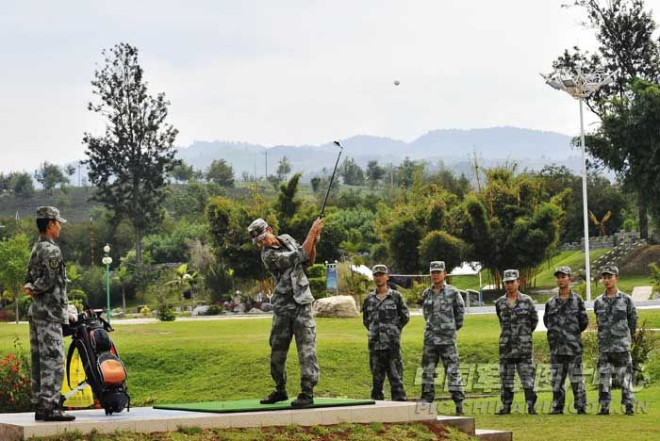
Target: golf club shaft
[[332, 179]]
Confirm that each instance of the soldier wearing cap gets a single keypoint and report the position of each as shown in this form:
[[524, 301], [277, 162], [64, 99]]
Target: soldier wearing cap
[[45, 282], [518, 319], [292, 307], [384, 314], [566, 318], [616, 317], [444, 311]]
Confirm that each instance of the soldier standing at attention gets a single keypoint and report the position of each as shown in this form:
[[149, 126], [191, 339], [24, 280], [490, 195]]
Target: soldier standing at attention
[[617, 320], [518, 319], [384, 314], [292, 307], [45, 282], [566, 318], [444, 310]]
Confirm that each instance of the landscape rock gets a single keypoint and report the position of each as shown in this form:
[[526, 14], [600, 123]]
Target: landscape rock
[[335, 306]]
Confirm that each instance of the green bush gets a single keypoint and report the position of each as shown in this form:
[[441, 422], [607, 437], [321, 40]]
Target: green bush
[[214, 310], [317, 286], [315, 271], [165, 314]]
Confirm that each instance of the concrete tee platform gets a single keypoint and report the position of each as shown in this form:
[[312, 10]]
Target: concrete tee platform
[[21, 426]]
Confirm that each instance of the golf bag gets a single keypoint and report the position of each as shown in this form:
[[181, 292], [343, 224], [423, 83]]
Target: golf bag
[[104, 370]]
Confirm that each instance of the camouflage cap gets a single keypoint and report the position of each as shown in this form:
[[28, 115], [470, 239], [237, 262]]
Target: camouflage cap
[[48, 212], [437, 265], [257, 230], [610, 269], [509, 275], [380, 269], [564, 270]]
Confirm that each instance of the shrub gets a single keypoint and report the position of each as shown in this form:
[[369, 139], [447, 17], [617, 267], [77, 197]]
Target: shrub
[[315, 271], [15, 387], [644, 342], [215, 310], [317, 286], [145, 311], [165, 313]]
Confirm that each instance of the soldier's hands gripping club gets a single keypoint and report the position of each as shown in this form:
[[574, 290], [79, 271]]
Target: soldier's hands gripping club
[[313, 237]]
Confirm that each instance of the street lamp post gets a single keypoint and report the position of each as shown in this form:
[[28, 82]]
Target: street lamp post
[[581, 86], [107, 260]]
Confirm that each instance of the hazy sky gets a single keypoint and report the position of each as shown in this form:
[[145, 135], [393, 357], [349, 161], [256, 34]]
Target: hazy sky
[[286, 72]]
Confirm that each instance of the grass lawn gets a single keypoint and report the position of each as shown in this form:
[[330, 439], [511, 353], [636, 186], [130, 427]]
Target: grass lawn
[[229, 359]]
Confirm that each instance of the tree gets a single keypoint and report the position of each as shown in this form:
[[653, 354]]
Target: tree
[[509, 224], [5, 183], [130, 163], [283, 168], [403, 240], [627, 50], [22, 185], [406, 172], [351, 172], [221, 173], [14, 255], [287, 205], [50, 176], [123, 277], [374, 173], [440, 245], [183, 172], [632, 147], [234, 249]]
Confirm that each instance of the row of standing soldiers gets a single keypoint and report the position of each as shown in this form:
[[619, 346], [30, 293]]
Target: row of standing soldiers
[[385, 314]]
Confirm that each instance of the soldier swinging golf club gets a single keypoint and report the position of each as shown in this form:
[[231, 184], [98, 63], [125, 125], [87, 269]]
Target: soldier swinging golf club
[[332, 178]]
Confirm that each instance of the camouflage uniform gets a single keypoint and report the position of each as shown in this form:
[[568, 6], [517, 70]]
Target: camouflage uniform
[[517, 323], [46, 277], [384, 319], [566, 319], [292, 314], [617, 320], [444, 312]]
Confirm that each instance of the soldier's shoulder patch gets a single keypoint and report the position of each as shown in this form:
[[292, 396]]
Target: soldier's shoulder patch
[[54, 262]]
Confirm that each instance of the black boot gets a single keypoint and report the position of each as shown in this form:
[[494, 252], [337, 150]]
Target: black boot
[[630, 409], [530, 398], [303, 400], [39, 415], [604, 410], [459, 408], [378, 396], [275, 397], [57, 415], [505, 410]]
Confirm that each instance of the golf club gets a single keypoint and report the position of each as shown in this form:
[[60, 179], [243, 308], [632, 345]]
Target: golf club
[[332, 178]]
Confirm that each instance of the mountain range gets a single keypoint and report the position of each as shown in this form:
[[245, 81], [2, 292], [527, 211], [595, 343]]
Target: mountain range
[[451, 148]]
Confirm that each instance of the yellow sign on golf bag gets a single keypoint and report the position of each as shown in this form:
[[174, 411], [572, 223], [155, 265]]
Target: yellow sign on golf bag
[[81, 395]]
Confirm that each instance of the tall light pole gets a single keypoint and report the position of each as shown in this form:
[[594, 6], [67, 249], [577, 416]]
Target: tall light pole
[[107, 260], [581, 86]]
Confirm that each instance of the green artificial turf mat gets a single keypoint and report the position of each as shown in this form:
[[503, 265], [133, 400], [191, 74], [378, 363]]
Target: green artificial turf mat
[[255, 406]]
